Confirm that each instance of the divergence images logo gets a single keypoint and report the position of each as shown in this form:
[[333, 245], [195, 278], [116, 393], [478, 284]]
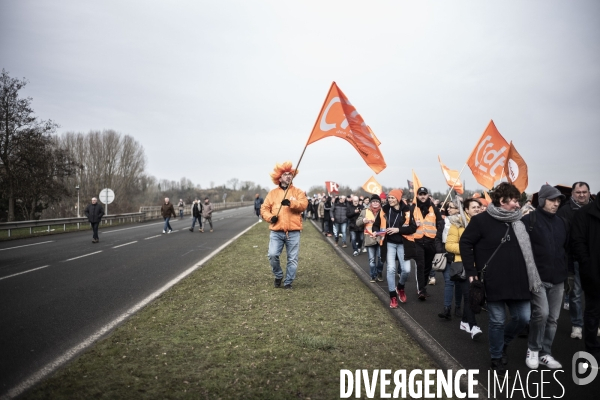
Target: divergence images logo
[[581, 367]]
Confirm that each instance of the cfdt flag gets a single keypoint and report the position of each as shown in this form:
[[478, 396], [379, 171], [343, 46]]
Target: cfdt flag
[[339, 118], [488, 157], [372, 186], [416, 185], [332, 187], [452, 178], [515, 169]]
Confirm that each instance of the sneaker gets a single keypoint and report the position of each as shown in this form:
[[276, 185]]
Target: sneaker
[[329, 235], [170, 230], [344, 244], [457, 312], [566, 305], [598, 332], [422, 295], [355, 253], [211, 230], [576, 332], [201, 230], [394, 302], [464, 326], [340, 235], [401, 295], [364, 250], [380, 277], [532, 359], [475, 332], [372, 279], [164, 231], [277, 282], [550, 362], [505, 354], [499, 368], [288, 286], [191, 230], [432, 280]]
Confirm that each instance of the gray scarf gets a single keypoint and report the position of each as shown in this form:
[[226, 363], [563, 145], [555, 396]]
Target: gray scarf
[[514, 218]]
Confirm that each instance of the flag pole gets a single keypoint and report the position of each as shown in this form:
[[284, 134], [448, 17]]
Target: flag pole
[[454, 184]]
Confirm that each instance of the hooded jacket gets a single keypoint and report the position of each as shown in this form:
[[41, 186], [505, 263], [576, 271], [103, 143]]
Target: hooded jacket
[[289, 218]]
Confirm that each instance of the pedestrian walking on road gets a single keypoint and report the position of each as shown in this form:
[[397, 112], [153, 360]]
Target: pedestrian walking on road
[[339, 220], [196, 215], [207, 214], [356, 233], [509, 276], [283, 208], [374, 223], [94, 213], [166, 210], [181, 206], [258, 202]]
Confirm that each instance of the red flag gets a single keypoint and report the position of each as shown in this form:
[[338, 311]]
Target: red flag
[[332, 187], [488, 155], [515, 169], [339, 118], [452, 177]]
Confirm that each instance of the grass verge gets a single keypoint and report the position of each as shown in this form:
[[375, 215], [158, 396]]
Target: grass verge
[[225, 332]]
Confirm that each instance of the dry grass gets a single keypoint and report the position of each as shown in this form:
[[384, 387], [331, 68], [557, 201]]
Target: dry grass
[[225, 332]]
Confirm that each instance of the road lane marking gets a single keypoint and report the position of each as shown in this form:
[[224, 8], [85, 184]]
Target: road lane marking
[[121, 245], [24, 272], [135, 227], [25, 245], [85, 255], [53, 365], [152, 237]]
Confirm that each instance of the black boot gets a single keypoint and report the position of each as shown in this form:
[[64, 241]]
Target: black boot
[[504, 355], [499, 368], [445, 314], [457, 312]]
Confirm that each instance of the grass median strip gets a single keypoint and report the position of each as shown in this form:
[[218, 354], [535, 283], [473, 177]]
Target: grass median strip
[[226, 332]]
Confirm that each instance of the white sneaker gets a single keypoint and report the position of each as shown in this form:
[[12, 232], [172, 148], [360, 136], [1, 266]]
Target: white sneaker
[[170, 230], [550, 362], [576, 332], [598, 331], [464, 326], [164, 231], [364, 250], [566, 305], [532, 359], [432, 280], [475, 332]]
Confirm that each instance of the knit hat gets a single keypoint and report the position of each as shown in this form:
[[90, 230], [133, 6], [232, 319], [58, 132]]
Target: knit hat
[[375, 197], [382, 196], [397, 193], [548, 192]]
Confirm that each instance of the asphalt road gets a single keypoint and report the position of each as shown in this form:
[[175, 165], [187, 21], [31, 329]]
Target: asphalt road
[[475, 354], [58, 291]]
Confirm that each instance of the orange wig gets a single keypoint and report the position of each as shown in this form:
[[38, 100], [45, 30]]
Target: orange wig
[[280, 169]]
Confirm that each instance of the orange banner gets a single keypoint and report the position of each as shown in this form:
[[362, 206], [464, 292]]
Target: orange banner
[[488, 157], [339, 118], [515, 169], [416, 185], [487, 197], [372, 186], [452, 178]]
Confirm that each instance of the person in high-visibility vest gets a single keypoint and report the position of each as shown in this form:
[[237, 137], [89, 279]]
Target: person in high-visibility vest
[[428, 238]]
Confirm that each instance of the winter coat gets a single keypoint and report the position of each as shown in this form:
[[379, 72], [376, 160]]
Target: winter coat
[[549, 240], [166, 210], [181, 205], [197, 210], [397, 219], [338, 212], [352, 215], [585, 246], [506, 274], [457, 228], [94, 212], [258, 202], [207, 210], [568, 211], [369, 241], [320, 209], [290, 217], [327, 210]]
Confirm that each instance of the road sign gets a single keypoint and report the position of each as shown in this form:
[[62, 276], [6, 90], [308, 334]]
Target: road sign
[[107, 196]]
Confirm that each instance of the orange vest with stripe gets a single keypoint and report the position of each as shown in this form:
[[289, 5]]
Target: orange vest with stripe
[[406, 223], [426, 226]]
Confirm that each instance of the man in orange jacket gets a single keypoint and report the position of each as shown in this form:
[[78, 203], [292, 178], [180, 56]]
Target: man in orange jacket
[[283, 208]]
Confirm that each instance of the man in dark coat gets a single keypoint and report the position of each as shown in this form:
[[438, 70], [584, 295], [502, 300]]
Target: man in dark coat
[[166, 210], [506, 277], [258, 202], [549, 238], [353, 210], [196, 215], [94, 213], [585, 240], [339, 219]]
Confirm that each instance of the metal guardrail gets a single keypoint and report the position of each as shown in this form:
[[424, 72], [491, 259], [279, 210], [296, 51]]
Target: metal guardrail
[[145, 213]]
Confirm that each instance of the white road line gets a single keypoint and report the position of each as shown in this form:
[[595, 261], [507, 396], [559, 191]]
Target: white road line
[[52, 366], [152, 237], [121, 245], [25, 245], [24, 272], [135, 227], [85, 255]]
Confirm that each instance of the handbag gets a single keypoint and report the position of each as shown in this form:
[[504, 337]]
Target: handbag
[[439, 262], [457, 272]]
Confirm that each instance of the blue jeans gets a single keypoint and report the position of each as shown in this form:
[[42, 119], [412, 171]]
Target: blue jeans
[[292, 247], [394, 249], [375, 260], [180, 213], [199, 222], [356, 237], [340, 228], [575, 310], [167, 226], [451, 289], [500, 335], [545, 309]]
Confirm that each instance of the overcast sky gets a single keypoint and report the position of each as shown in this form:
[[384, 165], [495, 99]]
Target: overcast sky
[[216, 90]]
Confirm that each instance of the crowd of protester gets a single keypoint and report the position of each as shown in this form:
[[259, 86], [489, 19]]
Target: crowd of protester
[[528, 259]]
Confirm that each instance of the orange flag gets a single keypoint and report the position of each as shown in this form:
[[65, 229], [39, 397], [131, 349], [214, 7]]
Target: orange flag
[[339, 118], [373, 135], [487, 197], [515, 169], [488, 155], [416, 185], [452, 178], [372, 186]]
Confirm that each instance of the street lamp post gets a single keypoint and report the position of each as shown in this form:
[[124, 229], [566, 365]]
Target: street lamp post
[[77, 187]]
